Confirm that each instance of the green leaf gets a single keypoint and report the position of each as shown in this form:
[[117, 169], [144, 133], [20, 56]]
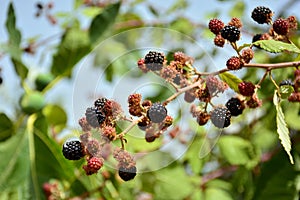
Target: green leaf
[[286, 91], [178, 5], [231, 80], [13, 47], [277, 180], [102, 22], [172, 183], [56, 117], [282, 129], [73, 47], [13, 32], [14, 165], [6, 127], [238, 151], [274, 46]]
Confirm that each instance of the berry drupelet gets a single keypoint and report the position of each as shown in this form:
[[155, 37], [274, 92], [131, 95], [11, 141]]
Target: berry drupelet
[[235, 106], [157, 113], [73, 150], [220, 117], [154, 60], [230, 33], [262, 15]]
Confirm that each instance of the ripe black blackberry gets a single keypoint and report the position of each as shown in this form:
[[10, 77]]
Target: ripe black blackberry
[[220, 117], [235, 106], [100, 103], [262, 15], [154, 60], [256, 37], [281, 26], [286, 82], [73, 150], [127, 173], [215, 26], [94, 117], [231, 33], [157, 113]]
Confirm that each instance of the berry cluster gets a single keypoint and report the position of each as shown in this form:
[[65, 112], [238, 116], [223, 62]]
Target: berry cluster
[[199, 89]]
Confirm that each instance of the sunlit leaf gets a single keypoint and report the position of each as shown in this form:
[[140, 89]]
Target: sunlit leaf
[[274, 46], [55, 116], [282, 129], [231, 80], [286, 91]]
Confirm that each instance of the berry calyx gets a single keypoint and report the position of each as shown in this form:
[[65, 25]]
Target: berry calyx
[[157, 113], [281, 26], [127, 173], [73, 150], [230, 33], [220, 117], [246, 88], [154, 60], [247, 55], [235, 106], [234, 63], [262, 15], [215, 26]]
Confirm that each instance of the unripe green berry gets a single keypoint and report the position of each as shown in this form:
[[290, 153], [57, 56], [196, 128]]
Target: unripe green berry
[[32, 102]]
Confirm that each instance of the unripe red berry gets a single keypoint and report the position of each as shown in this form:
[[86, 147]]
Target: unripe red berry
[[215, 26], [281, 26], [235, 22], [246, 88], [93, 166], [234, 63]]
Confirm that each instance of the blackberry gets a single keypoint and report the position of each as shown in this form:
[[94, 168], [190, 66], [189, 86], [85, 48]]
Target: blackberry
[[100, 103], [73, 150], [94, 117], [235, 106], [157, 113], [220, 117], [281, 26], [1, 80], [286, 82], [154, 60], [127, 173], [256, 37], [215, 26], [234, 63], [246, 88], [231, 33], [262, 15]]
